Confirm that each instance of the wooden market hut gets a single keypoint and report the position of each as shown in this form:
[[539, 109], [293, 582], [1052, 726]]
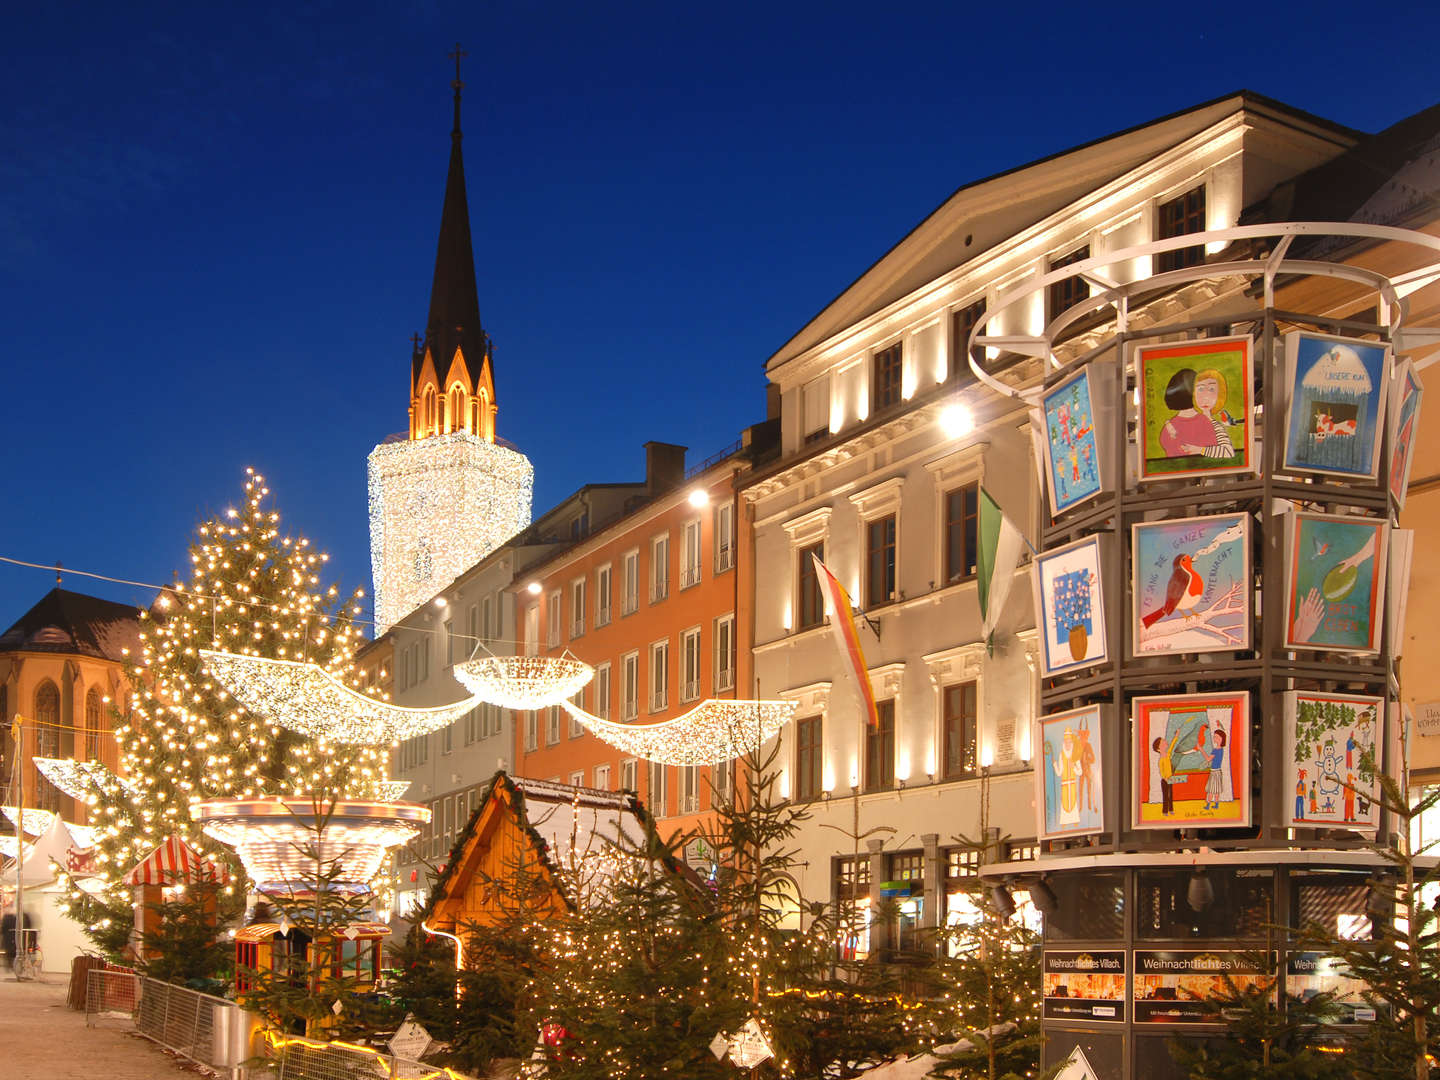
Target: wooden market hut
[[173, 864]]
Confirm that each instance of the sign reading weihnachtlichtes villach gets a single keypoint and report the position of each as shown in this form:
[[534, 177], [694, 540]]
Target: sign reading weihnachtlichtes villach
[[1177, 986], [1085, 986]]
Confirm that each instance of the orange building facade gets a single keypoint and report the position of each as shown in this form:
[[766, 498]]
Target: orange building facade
[[654, 603]]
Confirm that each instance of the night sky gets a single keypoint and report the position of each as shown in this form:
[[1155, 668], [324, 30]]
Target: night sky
[[218, 222]]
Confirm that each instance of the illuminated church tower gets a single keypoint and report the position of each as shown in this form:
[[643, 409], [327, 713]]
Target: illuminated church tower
[[446, 494]]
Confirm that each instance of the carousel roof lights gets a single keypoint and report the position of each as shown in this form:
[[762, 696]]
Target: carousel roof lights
[[711, 733], [524, 682], [306, 698]]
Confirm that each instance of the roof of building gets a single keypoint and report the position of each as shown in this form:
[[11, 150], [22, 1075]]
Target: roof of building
[[76, 624], [454, 319]]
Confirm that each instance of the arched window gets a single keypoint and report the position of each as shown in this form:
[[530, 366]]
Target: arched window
[[94, 718], [47, 741], [482, 415], [475, 424], [427, 412], [457, 407]]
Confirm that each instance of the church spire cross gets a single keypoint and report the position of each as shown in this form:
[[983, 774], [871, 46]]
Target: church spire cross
[[457, 56]]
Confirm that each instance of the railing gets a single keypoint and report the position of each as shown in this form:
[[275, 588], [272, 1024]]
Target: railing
[[111, 996], [689, 575], [659, 589], [602, 616], [294, 1058], [724, 557], [630, 603], [659, 700], [629, 710], [577, 627], [690, 690], [725, 679]]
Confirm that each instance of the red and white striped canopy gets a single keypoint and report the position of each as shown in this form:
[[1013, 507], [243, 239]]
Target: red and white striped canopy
[[175, 862]]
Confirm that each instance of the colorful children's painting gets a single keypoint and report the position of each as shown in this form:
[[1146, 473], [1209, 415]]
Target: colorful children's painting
[[1196, 408], [1069, 782], [1072, 612], [1337, 402], [1332, 745], [1192, 761], [1337, 568], [1192, 584], [1072, 458], [1405, 410]]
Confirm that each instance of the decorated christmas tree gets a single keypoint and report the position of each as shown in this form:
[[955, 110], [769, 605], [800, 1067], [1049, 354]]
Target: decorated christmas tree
[[253, 589]]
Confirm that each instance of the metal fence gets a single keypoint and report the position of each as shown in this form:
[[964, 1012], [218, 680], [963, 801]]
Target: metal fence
[[180, 1019], [307, 1059], [111, 997]]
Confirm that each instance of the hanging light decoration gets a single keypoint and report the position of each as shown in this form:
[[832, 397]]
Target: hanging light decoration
[[308, 699], [711, 733], [524, 682], [280, 840], [87, 781], [37, 822]]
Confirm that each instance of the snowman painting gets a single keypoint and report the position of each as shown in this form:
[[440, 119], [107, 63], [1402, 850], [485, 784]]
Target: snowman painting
[[1331, 741]]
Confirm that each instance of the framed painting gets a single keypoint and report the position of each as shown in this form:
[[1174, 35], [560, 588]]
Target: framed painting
[[1332, 748], [1070, 606], [1405, 416], [1191, 761], [1196, 401], [1072, 449], [1335, 589], [1191, 585], [1070, 782], [1337, 403]]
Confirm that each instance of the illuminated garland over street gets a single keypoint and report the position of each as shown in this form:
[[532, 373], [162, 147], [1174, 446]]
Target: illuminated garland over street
[[524, 682], [87, 781], [711, 733], [308, 699]]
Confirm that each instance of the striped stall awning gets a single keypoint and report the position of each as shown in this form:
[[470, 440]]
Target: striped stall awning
[[175, 862], [264, 931]]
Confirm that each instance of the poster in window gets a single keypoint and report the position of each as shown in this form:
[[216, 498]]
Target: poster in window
[[1332, 748], [1191, 761], [1405, 417], [1309, 974], [1072, 457], [1178, 986], [1070, 791], [1070, 606], [1337, 404], [1336, 568], [1191, 585], [1085, 986], [1196, 402]]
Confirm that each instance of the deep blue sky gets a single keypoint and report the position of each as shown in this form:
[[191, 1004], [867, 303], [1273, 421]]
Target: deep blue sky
[[217, 222]]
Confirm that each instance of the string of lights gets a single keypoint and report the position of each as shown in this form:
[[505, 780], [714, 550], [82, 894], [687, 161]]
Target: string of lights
[[712, 733], [524, 682]]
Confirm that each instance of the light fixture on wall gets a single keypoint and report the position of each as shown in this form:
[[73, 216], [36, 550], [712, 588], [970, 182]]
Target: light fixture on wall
[[1200, 893], [1043, 897], [1002, 901]]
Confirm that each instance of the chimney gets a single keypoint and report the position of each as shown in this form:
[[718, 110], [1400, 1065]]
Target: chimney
[[664, 466]]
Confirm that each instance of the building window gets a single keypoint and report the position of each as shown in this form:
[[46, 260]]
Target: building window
[[722, 783], [906, 884], [602, 777], [1065, 294], [689, 789], [815, 410], [552, 725], [629, 686], [809, 758], [456, 418], [629, 775], [577, 729], [690, 664], [449, 625], [472, 724], [724, 537], [472, 629], [812, 599], [958, 716], [93, 720], [880, 561], [577, 779], [532, 731], [447, 738], [602, 597], [962, 523], [963, 321], [552, 620], [602, 690], [659, 568], [488, 629], [577, 607], [725, 653], [1181, 216], [532, 630], [962, 867], [659, 806], [886, 372], [852, 898], [630, 582], [880, 749], [690, 554], [659, 676]]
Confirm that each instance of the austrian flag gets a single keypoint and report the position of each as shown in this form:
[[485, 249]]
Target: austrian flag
[[847, 637]]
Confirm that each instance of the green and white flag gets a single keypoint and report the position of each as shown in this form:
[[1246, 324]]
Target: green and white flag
[[1000, 547]]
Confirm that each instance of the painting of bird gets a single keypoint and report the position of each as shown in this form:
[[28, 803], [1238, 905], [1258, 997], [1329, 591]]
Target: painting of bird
[[1318, 549], [1182, 593]]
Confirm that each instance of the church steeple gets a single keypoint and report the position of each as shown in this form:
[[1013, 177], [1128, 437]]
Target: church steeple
[[453, 325]]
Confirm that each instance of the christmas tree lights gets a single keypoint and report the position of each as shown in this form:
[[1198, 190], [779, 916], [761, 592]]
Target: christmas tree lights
[[304, 697], [712, 733]]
